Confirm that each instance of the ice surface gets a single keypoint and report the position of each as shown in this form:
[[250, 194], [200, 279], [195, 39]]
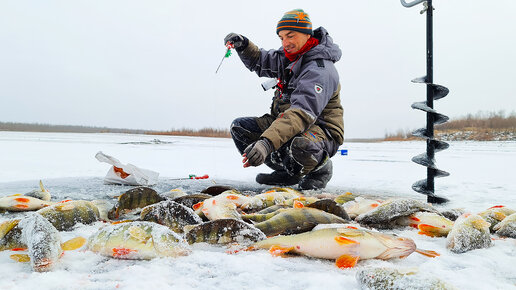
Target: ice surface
[[481, 177]]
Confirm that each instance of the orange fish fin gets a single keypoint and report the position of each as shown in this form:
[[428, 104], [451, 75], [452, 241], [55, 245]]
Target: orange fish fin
[[20, 257], [298, 204], [20, 206], [19, 249], [279, 250], [428, 230], [415, 219], [122, 252], [497, 206], [428, 253], [73, 244], [197, 205], [374, 205], [22, 199], [121, 222], [344, 241], [346, 261]]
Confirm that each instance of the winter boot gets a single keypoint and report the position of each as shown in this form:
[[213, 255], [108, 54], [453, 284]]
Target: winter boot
[[278, 177], [318, 178]]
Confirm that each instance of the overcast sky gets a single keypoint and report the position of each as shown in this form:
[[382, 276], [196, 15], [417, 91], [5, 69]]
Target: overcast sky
[[151, 64]]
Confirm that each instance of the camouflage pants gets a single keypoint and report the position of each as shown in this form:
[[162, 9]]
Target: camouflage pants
[[299, 156]]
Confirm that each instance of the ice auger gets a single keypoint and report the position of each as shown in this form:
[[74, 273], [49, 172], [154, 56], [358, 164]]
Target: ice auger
[[433, 92]]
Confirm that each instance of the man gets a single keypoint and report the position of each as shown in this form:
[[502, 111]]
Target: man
[[305, 126]]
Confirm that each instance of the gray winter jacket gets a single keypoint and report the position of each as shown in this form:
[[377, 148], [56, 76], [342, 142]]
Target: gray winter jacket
[[311, 90]]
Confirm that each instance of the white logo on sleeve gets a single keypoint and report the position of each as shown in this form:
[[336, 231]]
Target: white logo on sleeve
[[318, 89]]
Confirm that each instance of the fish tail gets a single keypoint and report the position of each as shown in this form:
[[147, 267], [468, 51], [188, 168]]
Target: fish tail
[[428, 253]]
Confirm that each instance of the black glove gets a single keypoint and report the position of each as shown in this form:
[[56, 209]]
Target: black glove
[[240, 42], [257, 152]]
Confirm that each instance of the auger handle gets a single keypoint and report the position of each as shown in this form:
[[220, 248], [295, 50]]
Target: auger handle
[[413, 3]]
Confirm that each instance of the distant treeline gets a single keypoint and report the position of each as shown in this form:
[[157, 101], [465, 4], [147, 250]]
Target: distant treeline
[[27, 127], [483, 126], [489, 120], [36, 127], [205, 132]]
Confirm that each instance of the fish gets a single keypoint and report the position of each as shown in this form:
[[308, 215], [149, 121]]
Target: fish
[[191, 199], [453, 214], [428, 223], [171, 214], [300, 201], [137, 240], [138, 197], [296, 220], [173, 193], [65, 215], [330, 206], [271, 209], [270, 198], [344, 245], [383, 278], [22, 203], [385, 213], [10, 235], [359, 206], [343, 198], [103, 206], [469, 232], [40, 193], [224, 231], [221, 206], [217, 189], [496, 214], [507, 227], [43, 243]]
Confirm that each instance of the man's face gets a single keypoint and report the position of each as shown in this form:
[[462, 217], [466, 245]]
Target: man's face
[[293, 41]]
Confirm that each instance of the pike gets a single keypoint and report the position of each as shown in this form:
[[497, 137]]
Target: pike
[[345, 245]]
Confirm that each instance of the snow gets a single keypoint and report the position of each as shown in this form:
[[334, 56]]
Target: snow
[[482, 176]]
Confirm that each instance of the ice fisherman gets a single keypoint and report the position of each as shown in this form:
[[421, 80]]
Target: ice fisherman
[[305, 126]]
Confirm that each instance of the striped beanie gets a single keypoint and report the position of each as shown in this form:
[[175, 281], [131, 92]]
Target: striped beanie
[[296, 20]]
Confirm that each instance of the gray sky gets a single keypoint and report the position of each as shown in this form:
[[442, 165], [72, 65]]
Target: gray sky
[[151, 64]]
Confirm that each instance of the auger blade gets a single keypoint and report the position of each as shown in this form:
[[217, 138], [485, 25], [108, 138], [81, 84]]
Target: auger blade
[[439, 91], [440, 145]]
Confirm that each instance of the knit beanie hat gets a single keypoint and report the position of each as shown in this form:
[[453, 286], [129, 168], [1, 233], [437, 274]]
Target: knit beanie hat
[[296, 20]]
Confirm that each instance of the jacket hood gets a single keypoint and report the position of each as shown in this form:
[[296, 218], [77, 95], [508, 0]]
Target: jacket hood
[[326, 49]]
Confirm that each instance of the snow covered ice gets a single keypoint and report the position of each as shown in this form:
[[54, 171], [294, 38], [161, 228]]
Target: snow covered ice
[[482, 176]]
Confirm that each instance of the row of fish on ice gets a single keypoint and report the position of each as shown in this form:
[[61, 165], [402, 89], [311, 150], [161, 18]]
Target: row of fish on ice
[[281, 220]]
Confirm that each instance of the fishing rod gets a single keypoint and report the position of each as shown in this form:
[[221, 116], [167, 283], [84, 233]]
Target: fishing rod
[[191, 176], [229, 46], [433, 92]]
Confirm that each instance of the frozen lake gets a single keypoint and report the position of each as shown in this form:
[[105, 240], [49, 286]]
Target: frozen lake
[[482, 175]]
